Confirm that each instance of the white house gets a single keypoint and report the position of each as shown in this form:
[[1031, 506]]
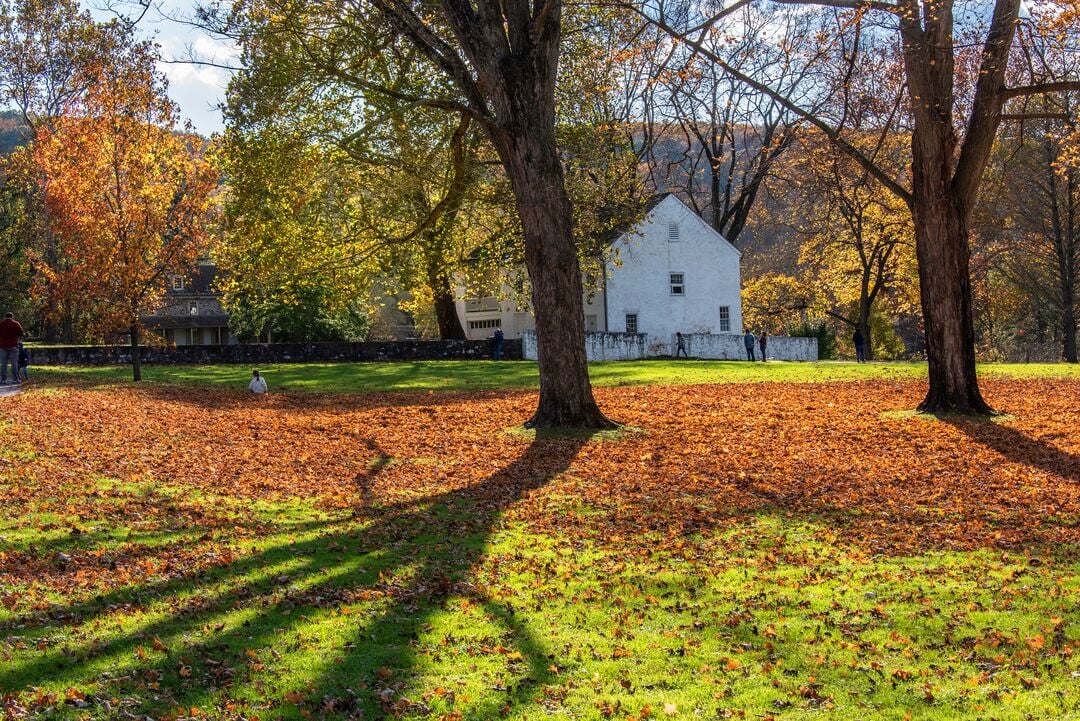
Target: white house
[[671, 273]]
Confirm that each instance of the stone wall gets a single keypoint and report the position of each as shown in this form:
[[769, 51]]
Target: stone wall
[[599, 346], [731, 347], [262, 353], [712, 346]]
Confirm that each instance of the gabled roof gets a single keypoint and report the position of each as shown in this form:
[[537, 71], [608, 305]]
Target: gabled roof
[[655, 203], [199, 282]]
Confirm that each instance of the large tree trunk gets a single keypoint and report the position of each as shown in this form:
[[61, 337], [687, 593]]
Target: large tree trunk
[[535, 172], [1068, 323], [446, 314], [941, 243], [136, 353], [944, 187]]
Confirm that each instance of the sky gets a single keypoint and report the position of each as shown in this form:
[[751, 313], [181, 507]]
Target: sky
[[197, 89]]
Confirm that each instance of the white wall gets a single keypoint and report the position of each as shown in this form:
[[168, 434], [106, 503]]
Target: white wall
[[515, 320], [635, 346], [638, 278], [731, 347]]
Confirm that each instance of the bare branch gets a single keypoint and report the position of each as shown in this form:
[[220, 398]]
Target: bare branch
[[1034, 116], [846, 4], [830, 132], [1039, 89]]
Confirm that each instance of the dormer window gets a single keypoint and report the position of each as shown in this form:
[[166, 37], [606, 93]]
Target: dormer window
[[178, 282], [672, 231], [193, 307]]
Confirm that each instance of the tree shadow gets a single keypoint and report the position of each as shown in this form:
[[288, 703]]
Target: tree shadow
[[1018, 447], [400, 564]]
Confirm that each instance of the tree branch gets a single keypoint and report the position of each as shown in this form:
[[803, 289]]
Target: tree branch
[[1038, 89], [986, 106], [846, 4], [830, 132]]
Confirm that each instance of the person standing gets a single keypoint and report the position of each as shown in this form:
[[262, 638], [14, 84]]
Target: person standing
[[24, 363], [497, 344], [762, 341], [680, 345], [10, 333], [748, 341], [860, 346], [258, 384]]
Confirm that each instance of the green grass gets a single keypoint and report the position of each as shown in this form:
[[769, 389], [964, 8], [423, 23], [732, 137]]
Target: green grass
[[322, 615], [483, 375], [149, 599]]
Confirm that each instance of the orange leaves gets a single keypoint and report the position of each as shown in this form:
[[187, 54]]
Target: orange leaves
[[884, 483], [127, 195]]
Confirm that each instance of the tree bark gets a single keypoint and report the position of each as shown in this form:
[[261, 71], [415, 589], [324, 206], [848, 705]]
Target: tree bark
[[1068, 322], [535, 171], [512, 49], [945, 182], [941, 243], [446, 314], [136, 353], [517, 73]]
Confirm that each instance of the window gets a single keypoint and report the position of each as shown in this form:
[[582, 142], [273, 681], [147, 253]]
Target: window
[[631, 323], [672, 231], [481, 324], [193, 307], [178, 282], [677, 285], [725, 319], [195, 336]]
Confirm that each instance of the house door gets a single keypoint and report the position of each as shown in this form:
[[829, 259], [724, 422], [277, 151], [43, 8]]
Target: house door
[[590, 324]]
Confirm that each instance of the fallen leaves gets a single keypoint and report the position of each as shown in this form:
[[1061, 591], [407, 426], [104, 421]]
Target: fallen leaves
[[172, 462], [715, 453]]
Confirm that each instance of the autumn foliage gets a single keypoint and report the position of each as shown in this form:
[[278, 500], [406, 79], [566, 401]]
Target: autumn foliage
[[889, 484], [433, 481], [127, 198]]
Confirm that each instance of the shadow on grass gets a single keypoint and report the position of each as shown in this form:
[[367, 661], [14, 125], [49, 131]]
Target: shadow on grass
[[1018, 447], [197, 642]]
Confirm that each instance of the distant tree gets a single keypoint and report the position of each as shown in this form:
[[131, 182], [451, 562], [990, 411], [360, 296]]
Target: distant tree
[[859, 243], [50, 53], [954, 106], [126, 195], [774, 302], [1036, 233], [16, 231], [713, 140]]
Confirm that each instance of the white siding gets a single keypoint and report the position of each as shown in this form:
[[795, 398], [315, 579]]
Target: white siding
[[671, 240], [639, 278]]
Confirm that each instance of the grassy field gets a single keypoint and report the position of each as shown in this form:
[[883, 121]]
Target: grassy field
[[480, 375], [781, 551]]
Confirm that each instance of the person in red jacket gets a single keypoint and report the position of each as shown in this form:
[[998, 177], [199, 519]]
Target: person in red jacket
[[10, 333]]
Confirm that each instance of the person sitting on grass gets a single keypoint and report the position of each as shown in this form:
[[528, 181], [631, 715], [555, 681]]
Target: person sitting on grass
[[258, 384]]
